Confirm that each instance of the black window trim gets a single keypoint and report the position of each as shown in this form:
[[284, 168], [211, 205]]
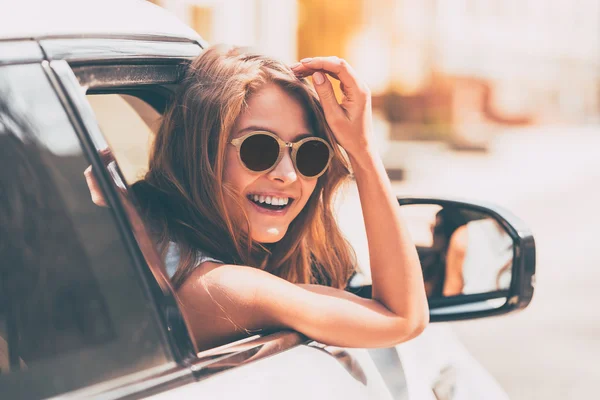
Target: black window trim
[[86, 127], [120, 49]]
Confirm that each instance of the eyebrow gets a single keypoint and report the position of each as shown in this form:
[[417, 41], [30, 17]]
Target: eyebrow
[[262, 128]]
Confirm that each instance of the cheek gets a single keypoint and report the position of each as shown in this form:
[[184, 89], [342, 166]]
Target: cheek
[[236, 178], [233, 174], [308, 187]]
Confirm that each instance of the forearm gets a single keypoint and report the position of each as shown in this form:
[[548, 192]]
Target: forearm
[[229, 301], [343, 319], [395, 267]]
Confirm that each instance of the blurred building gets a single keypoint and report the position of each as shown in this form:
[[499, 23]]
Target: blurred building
[[541, 57], [270, 26], [440, 62], [532, 58]]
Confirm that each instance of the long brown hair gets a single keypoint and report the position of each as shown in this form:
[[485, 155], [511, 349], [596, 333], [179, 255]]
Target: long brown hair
[[183, 193]]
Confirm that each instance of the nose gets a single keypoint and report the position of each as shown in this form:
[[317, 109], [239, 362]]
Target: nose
[[284, 171]]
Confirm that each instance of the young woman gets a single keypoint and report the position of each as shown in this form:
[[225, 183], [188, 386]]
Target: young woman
[[239, 197]]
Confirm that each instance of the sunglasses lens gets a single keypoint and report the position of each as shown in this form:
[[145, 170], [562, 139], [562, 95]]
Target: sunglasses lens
[[259, 152], [312, 158]]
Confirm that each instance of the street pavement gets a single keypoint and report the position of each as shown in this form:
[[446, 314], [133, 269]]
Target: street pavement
[[550, 178]]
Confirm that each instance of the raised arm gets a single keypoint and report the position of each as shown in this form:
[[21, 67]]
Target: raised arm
[[395, 268]]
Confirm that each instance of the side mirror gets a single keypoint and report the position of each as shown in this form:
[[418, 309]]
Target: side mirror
[[478, 260]]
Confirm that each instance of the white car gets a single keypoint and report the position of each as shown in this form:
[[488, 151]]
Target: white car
[[84, 311]]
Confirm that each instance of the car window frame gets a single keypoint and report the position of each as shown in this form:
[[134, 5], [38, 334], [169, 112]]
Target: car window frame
[[148, 373], [113, 185]]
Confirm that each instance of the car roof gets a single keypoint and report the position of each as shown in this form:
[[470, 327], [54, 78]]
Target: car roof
[[38, 19]]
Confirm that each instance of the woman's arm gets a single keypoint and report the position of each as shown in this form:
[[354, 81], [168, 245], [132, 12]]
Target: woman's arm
[[455, 259], [395, 268], [229, 302]]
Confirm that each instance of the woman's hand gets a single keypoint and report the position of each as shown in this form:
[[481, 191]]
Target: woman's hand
[[350, 120], [95, 191]]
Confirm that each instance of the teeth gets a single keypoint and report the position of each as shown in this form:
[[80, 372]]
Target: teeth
[[272, 200]]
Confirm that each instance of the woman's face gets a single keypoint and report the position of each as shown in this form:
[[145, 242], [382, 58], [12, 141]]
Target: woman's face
[[269, 109]]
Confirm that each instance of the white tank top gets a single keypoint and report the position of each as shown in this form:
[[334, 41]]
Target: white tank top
[[173, 255]]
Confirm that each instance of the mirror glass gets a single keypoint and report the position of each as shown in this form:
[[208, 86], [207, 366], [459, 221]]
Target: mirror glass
[[462, 251]]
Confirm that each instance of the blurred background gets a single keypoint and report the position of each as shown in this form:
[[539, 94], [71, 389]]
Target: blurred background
[[495, 100]]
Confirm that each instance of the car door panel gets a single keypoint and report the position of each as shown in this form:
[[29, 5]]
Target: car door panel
[[303, 372], [437, 366]]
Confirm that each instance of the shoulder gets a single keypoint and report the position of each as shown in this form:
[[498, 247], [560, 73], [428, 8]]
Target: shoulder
[[239, 288], [233, 282], [229, 298], [458, 240]]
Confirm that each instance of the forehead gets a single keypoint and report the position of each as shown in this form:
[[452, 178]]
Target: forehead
[[273, 109]]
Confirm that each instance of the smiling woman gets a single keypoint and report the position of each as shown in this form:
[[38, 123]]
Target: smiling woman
[[201, 173], [238, 195]]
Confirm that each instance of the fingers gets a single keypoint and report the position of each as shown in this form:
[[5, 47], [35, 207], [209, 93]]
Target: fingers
[[335, 67], [302, 71], [95, 190], [324, 89]]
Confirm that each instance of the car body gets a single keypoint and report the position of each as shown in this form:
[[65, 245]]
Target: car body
[[50, 70]]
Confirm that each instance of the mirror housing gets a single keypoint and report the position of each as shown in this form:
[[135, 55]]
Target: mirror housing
[[496, 274]]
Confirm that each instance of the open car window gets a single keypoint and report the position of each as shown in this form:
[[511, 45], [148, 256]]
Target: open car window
[[129, 125]]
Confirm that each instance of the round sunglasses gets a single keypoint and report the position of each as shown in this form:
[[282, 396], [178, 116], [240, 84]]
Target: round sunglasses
[[261, 151]]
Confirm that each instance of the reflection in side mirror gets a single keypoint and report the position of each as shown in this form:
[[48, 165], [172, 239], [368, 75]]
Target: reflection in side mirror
[[462, 251], [478, 260]]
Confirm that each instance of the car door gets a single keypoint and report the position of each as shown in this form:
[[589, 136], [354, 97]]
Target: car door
[[115, 101], [75, 309]]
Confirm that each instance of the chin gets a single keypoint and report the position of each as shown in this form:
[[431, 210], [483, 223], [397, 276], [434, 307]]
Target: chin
[[269, 235]]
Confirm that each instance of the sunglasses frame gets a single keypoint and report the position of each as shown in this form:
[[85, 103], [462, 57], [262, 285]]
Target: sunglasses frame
[[283, 145]]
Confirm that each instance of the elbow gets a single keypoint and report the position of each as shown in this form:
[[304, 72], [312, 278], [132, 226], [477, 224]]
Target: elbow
[[411, 327], [418, 325], [419, 320]]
